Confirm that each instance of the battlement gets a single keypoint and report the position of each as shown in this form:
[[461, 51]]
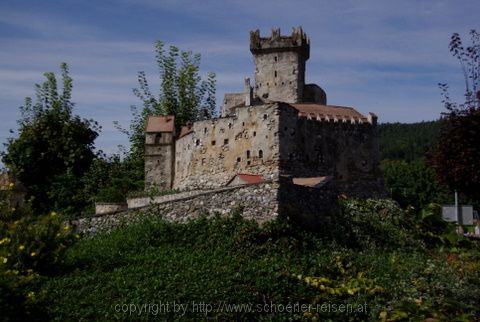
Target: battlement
[[297, 41]]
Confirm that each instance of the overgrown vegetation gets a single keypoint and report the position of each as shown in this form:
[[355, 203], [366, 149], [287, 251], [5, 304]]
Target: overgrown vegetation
[[404, 266], [32, 249]]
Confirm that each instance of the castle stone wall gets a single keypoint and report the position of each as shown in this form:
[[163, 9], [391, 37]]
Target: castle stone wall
[[218, 149], [159, 154], [279, 76], [259, 202], [347, 151], [109, 207]]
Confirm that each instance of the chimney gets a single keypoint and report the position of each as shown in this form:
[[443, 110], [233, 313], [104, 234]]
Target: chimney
[[248, 92]]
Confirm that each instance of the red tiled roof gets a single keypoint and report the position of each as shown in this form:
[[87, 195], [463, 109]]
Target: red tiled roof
[[322, 111], [250, 178], [160, 124]]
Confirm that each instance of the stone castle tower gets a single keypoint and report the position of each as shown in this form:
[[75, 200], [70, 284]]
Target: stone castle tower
[[280, 65], [279, 129], [159, 152]]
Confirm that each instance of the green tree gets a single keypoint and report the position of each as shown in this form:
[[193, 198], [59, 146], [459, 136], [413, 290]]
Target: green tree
[[109, 179], [412, 183], [408, 142], [456, 158], [54, 147], [183, 93]]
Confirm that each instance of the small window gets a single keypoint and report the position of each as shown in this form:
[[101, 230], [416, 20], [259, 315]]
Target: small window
[[260, 153], [243, 123], [254, 133], [265, 116], [248, 154], [239, 159], [275, 73], [197, 142], [230, 125], [248, 162], [276, 58], [158, 137], [214, 142], [225, 141], [205, 130]]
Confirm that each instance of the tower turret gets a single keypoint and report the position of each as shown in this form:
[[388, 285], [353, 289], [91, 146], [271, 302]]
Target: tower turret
[[280, 65], [159, 152]]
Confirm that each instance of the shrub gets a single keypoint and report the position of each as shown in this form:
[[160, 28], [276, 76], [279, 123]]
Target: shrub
[[31, 248]]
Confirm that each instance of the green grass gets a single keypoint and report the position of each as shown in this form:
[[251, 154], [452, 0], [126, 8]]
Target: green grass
[[379, 257]]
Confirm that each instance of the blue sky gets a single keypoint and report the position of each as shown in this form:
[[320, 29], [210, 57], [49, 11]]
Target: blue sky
[[384, 57]]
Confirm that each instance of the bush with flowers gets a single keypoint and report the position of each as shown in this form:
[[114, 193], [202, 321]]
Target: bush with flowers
[[31, 247]]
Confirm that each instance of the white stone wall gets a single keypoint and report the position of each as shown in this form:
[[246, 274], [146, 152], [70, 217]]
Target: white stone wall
[[218, 149]]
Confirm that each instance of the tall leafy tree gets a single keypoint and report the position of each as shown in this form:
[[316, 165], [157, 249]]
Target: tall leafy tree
[[183, 93], [456, 158], [54, 147]]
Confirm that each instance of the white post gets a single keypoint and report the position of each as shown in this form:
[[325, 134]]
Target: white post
[[458, 216], [456, 207]]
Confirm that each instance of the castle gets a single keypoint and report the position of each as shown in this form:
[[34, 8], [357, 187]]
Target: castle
[[278, 130]]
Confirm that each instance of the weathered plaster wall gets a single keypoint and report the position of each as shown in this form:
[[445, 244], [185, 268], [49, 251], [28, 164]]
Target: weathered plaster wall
[[279, 76], [347, 151], [218, 149]]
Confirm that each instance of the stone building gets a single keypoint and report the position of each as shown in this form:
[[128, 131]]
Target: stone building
[[279, 130]]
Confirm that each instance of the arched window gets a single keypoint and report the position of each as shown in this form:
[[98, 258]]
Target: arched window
[[260, 153]]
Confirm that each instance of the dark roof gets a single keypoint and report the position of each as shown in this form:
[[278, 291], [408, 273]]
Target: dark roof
[[160, 124], [321, 111]]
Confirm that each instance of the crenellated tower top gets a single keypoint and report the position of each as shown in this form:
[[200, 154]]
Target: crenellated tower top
[[297, 41]]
